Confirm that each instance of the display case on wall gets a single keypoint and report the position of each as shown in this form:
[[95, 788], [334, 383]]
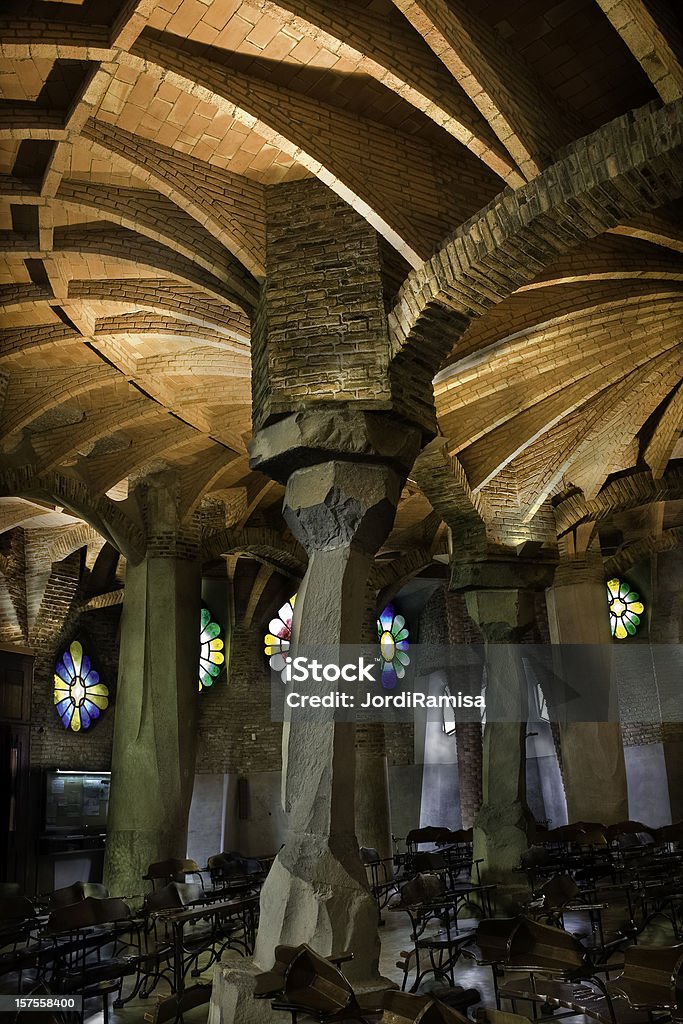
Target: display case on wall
[[71, 844]]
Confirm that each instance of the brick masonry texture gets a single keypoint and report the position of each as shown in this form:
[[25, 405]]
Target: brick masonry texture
[[320, 332], [230, 713]]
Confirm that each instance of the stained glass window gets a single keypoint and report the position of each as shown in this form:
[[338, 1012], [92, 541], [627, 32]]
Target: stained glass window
[[393, 645], [79, 695], [391, 633], [279, 636], [211, 656], [625, 609]]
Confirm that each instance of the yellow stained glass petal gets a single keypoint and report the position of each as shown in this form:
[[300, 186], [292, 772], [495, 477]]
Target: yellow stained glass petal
[[98, 688], [61, 685], [99, 701], [638, 607], [76, 720], [76, 652], [613, 587], [216, 644], [620, 631], [216, 658]]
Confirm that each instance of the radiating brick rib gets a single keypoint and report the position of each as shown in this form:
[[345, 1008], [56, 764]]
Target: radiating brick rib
[[160, 294], [19, 122], [653, 227], [71, 40], [572, 338], [228, 206], [603, 180], [32, 392], [29, 341], [490, 397], [14, 296], [535, 314], [403, 200], [589, 434], [393, 56], [655, 42], [442, 479], [667, 431], [210, 470], [108, 600], [57, 445], [524, 117], [102, 472], [156, 217], [159, 325], [537, 414], [120, 243]]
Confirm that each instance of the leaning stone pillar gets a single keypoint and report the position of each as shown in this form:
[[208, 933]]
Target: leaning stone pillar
[[592, 752], [156, 696], [502, 826], [316, 891]]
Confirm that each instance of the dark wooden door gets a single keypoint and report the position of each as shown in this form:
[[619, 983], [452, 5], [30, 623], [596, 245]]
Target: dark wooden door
[[16, 850]]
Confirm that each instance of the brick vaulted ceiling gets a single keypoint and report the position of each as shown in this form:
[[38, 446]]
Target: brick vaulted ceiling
[[137, 141]]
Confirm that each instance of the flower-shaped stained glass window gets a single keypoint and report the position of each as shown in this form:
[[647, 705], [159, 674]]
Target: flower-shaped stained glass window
[[625, 609], [211, 656], [393, 645], [79, 695], [279, 636]]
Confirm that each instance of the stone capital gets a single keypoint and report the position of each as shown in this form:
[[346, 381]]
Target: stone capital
[[342, 504], [337, 431], [503, 616], [501, 574]]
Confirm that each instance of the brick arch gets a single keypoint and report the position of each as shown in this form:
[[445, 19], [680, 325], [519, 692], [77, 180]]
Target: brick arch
[[264, 545], [110, 520], [602, 180], [389, 579], [623, 560], [629, 490]]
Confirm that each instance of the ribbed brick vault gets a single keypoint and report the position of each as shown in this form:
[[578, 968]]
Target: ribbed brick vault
[[521, 161]]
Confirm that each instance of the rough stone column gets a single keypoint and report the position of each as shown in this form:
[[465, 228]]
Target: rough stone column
[[317, 891], [156, 697], [373, 817], [501, 828], [593, 763]]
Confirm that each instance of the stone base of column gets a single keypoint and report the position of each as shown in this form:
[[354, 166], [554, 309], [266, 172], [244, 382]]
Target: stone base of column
[[131, 851], [500, 839], [310, 896], [232, 994]]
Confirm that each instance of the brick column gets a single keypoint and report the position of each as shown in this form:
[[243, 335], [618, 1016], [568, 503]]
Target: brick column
[[156, 698], [468, 735], [593, 763]]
